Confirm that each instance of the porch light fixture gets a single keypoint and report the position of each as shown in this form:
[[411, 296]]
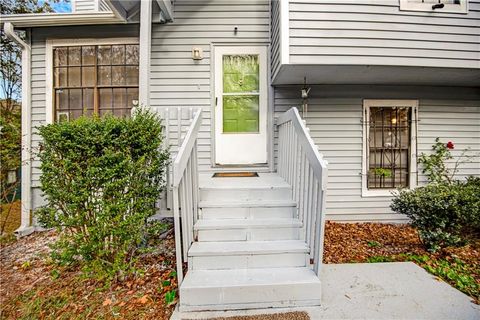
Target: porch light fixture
[[197, 53]]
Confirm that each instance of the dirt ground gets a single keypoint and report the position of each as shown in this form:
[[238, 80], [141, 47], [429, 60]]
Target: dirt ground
[[31, 287]]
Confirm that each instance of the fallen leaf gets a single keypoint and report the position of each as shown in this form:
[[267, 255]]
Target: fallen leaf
[[107, 302], [143, 299]]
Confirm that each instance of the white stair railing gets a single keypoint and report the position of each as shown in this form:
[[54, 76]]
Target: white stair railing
[[185, 193], [304, 168]]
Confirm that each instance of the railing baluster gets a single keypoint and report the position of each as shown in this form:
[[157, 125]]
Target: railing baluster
[[301, 165]]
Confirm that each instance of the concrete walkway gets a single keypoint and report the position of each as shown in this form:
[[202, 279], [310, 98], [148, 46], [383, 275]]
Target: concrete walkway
[[400, 290]]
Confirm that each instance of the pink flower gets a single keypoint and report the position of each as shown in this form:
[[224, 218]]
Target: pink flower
[[450, 145]]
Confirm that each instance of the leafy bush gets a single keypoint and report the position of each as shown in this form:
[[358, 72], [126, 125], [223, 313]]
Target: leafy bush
[[101, 178], [442, 212]]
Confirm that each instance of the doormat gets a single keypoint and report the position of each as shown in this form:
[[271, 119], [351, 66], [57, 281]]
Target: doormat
[[235, 174], [276, 316]]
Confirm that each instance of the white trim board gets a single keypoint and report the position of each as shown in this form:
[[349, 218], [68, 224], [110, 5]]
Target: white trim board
[[412, 5], [367, 103], [53, 43]]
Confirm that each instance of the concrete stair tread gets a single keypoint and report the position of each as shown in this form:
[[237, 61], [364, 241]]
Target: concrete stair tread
[[229, 248], [248, 277], [247, 204], [263, 181], [215, 224]]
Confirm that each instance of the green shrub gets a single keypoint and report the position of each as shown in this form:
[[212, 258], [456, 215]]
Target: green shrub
[[101, 178], [442, 212]]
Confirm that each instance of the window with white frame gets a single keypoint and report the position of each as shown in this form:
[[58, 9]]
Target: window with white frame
[[440, 6], [389, 155], [94, 79]]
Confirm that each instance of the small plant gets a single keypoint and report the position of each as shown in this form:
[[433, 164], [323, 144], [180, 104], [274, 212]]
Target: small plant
[[435, 164], [170, 297], [373, 244], [377, 259], [101, 178], [382, 172]]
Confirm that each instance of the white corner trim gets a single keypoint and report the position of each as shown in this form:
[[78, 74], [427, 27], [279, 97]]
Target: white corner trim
[[53, 43], [284, 32], [411, 5], [26, 121], [367, 103], [145, 52]]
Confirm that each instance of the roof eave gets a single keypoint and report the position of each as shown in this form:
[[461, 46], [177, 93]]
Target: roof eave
[[61, 19]]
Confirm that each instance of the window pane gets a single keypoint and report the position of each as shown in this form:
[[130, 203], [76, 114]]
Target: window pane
[[74, 77], [60, 56], [74, 56], [75, 99], [105, 75], [61, 100], [118, 75], [88, 101], [132, 75], [118, 54], [240, 113], [88, 76], [389, 142], [120, 102], [105, 100], [104, 54], [88, 55], [132, 96], [132, 53], [240, 73], [60, 77]]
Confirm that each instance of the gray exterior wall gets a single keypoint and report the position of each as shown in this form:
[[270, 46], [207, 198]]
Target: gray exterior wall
[[378, 33], [335, 122], [179, 81]]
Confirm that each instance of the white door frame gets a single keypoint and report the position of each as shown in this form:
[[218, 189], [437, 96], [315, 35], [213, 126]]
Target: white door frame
[[242, 148]]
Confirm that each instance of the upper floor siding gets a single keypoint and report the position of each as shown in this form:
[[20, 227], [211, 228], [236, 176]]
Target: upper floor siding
[[378, 33]]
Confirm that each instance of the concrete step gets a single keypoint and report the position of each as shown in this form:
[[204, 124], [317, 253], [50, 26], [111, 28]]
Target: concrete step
[[249, 288], [247, 229], [259, 209], [268, 186], [249, 254]]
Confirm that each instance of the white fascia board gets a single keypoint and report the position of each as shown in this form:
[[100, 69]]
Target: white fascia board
[[167, 10], [60, 19]]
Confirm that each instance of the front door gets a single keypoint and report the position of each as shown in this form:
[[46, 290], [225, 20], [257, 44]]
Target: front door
[[241, 105]]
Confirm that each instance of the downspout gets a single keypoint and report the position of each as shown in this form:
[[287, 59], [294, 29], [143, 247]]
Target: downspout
[[25, 226]]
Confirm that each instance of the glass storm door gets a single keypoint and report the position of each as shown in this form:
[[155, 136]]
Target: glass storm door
[[241, 105]]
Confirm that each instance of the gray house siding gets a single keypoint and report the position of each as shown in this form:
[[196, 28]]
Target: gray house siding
[[379, 33], [335, 121], [179, 81]]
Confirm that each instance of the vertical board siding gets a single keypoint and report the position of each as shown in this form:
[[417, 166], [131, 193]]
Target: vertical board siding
[[179, 81], [378, 33], [335, 124], [275, 38]]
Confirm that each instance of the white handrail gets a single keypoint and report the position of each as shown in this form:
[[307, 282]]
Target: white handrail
[[185, 193], [304, 168]]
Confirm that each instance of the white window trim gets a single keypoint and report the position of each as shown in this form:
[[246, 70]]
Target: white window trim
[[408, 5], [54, 43], [367, 104]]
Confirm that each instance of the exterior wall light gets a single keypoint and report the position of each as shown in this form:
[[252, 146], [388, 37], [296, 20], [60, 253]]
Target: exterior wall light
[[197, 53]]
